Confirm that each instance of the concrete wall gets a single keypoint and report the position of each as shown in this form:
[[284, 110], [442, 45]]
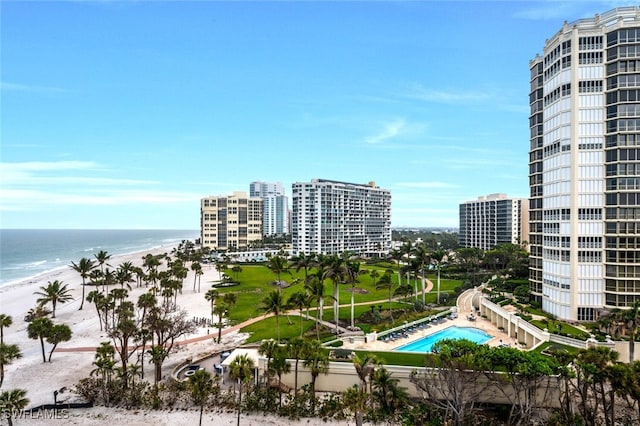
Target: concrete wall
[[342, 375]]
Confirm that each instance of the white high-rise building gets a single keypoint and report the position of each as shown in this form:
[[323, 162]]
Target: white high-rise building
[[584, 167], [331, 217], [275, 205], [493, 219]]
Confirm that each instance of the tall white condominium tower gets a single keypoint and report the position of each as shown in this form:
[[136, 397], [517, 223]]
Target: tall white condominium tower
[[275, 206], [493, 219], [331, 217], [584, 167], [230, 222]]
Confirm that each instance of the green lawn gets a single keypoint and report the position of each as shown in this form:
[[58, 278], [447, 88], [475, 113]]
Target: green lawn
[[266, 329], [566, 329], [255, 284], [396, 358]]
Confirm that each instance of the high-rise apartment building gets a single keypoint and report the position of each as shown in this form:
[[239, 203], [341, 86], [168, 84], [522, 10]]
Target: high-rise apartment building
[[584, 166], [275, 207], [493, 219], [230, 222], [331, 217]]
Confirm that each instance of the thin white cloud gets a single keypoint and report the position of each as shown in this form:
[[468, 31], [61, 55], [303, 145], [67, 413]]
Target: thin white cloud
[[49, 165], [417, 91], [35, 186], [390, 131], [568, 10], [430, 185], [16, 87], [548, 10], [23, 200]]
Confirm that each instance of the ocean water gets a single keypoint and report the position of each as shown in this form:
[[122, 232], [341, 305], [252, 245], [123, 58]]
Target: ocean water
[[26, 253]]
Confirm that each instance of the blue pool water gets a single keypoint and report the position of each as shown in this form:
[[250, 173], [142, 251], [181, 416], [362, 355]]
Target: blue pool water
[[453, 332]]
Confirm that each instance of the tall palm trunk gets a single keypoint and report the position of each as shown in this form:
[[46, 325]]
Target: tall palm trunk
[[336, 305], [352, 307]]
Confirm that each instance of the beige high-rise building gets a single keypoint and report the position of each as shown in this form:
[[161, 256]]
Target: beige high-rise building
[[584, 167], [230, 222]]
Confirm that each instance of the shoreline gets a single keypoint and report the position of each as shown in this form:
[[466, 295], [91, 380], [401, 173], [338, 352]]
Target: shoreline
[[52, 271], [68, 366], [16, 267]]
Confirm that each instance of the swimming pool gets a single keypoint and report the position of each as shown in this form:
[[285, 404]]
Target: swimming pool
[[424, 345]]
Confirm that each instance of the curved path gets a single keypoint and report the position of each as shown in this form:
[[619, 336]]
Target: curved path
[[428, 288]]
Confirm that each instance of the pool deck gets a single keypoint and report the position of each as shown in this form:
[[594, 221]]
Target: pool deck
[[464, 309]]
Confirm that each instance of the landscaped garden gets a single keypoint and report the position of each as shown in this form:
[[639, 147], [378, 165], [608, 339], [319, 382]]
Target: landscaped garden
[[257, 280]]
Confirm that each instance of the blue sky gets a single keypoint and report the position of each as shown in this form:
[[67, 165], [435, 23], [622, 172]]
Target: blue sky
[[125, 114]]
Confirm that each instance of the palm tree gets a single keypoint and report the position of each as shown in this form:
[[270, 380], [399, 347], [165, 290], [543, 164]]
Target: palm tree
[[422, 258], [124, 275], [84, 268], [334, 269], [278, 265], [386, 284], [305, 262], [236, 270], [241, 369], [230, 300], [196, 267], [102, 257], [211, 296], [388, 393], [59, 333], [40, 328], [200, 387], [355, 399], [374, 274], [268, 348], [11, 402], [145, 302], [8, 353], [54, 292], [274, 303], [632, 320], [317, 361], [279, 366], [365, 366], [296, 349], [220, 309], [437, 259], [97, 298], [299, 301], [352, 272], [5, 322], [397, 255], [315, 289]]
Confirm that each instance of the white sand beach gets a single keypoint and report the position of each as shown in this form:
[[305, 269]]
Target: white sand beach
[[73, 360]]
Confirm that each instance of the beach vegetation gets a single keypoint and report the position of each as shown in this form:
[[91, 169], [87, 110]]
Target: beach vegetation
[[39, 329], [54, 292], [5, 322], [317, 361], [11, 402], [355, 399], [8, 354], [241, 370], [220, 310], [201, 387], [84, 268], [166, 326], [278, 366], [57, 334]]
